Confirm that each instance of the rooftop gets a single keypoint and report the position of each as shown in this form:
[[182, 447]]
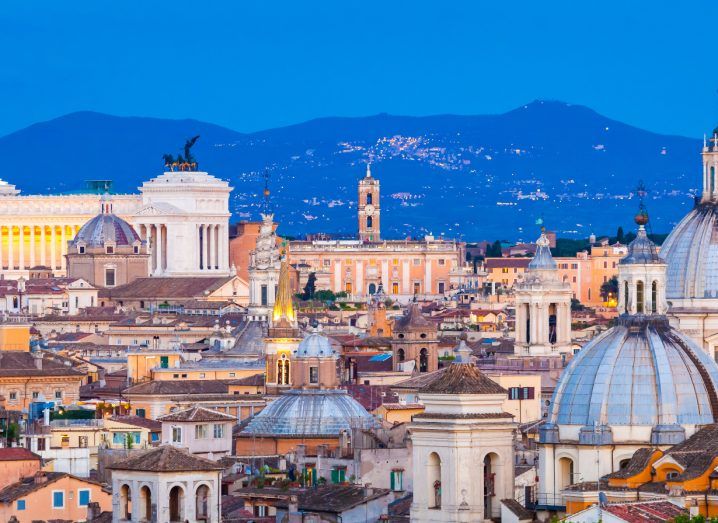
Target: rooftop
[[196, 414], [166, 459]]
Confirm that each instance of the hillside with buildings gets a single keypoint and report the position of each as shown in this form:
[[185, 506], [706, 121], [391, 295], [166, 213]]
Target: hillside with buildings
[[566, 163]]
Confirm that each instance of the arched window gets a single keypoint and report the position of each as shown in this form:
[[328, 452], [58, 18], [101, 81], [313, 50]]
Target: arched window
[[565, 471], [145, 504], [372, 288], [433, 477], [625, 295], [176, 504], [423, 360], [202, 503], [639, 298], [369, 198], [654, 297], [552, 323], [369, 222], [125, 502], [491, 468], [283, 370], [400, 355]]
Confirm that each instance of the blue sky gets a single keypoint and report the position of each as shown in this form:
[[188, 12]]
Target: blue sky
[[251, 65]]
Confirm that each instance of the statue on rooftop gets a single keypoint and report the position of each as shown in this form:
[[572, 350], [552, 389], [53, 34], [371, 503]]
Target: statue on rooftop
[[186, 163]]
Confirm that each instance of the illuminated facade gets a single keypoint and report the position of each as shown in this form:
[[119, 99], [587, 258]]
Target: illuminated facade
[[369, 212]]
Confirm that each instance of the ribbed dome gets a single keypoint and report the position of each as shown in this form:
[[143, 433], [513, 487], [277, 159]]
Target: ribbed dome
[[640, 372], [691, 253], [106, 228], [315, 345], [311, 413]]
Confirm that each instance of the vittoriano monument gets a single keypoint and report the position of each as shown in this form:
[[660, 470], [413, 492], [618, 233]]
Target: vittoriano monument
[[183, 163]]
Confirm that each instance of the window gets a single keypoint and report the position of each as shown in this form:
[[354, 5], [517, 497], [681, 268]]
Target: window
[[41, 444], [109, 249], [200, 431], [140, 413], [397, 480], [58, 499], [417, 287], [136, 249], [339, 474], [395, 288], [231, 374], [83, 497], [521, 393], [81, 249], [13, 396], [20, 504], [369, 222], [639, 297], [264, 295], [441, 287], [109, 277], [327, 263], [201, 374], [58, 394], [218, 431], [442, 261], [35, 394], [82, 442], [369, 198], [176, 435], [175, 375], [417, 261], [313, 374], [505, 270], [164, 362]]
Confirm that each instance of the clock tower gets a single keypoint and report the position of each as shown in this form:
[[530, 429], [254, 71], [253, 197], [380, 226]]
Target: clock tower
[[368, 210]]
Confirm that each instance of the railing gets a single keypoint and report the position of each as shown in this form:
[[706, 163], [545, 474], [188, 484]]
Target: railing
[[544, 500], [68, 423]]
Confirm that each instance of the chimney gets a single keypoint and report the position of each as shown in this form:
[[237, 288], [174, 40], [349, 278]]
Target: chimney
[[40, 478], [101, 377], [294, 516], [368, 490], [37, 356], [93, 511]]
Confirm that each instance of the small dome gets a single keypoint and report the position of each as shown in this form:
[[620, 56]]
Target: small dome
[[691, 253], [641, 250], [311, 413], [640, 372], [543, 260], [106, 228], [315, 345]]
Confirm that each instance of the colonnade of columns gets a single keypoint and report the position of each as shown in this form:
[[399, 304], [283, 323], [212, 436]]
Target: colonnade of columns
[[186, 248], [25, 246], [212, 247]]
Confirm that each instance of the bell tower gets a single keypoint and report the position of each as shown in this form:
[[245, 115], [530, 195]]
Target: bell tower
[[368, 208], [710, 168]]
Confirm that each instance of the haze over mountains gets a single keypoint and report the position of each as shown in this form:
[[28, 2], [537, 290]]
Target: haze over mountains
[[474, 177]]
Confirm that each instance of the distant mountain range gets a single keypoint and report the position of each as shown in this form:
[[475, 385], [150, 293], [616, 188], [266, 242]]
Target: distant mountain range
[[474, 177]]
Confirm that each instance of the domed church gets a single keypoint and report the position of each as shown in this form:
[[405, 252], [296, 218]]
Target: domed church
[[315, 411], [641, 383], [107, 251], [691, 253]]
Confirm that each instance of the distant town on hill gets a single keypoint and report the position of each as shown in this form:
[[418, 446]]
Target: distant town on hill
[[481, 177]]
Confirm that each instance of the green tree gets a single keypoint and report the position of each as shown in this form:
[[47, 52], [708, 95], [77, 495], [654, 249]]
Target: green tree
[[609, 287], [620, 238], [310, 287], [494, 250]]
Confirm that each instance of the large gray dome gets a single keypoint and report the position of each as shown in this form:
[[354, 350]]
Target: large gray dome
[[640, 372], [691, 253], [106, 228], [310, 413]]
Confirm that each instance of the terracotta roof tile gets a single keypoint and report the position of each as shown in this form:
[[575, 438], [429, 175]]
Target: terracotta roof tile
[[198, 414], [463, 378], [166, 459]]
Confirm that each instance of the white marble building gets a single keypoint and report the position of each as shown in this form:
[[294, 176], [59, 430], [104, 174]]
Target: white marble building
[[264, 264], [183, 215], [185, 220]]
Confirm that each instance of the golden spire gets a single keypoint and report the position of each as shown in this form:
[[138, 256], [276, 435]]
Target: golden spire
[[283, 307]]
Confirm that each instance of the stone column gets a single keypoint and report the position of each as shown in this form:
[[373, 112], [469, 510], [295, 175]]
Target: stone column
[[43, 246], [32, 245], [160, 261], [150, 247], [10, 249], [21, 245], [53, 247], [63, 247], [520, 327], [205, 261], [212, 245]]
